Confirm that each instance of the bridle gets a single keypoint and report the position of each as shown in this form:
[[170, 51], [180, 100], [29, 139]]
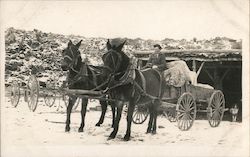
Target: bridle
[[73, 59], [79, 73], [115, 64]]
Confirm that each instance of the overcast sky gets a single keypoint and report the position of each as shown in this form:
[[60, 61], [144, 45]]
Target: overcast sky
[[177, 19]]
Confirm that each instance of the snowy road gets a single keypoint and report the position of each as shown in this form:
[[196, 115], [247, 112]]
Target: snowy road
[[41, 133]]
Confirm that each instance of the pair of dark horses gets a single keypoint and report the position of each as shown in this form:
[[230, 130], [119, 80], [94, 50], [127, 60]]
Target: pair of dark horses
[[145, 87]]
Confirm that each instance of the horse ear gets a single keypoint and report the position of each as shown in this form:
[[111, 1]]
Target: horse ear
[[109, 45], [78, 44], [70, 43], [119, 48]]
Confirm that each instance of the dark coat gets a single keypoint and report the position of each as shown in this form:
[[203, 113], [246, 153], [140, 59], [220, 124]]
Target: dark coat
[[158, 60]]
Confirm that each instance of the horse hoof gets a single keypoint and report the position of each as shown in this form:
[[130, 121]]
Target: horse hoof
[[126, 138], [153, 132], [148, 131], [110, 138], [80, 130], [98, 124], [67, 129]]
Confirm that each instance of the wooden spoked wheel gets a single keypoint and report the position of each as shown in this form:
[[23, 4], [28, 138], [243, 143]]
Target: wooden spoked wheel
[[15, 94], [185, 111], [171, 115], [215, 110], [66, 101], [50, 94], [32, 92], [140, 114]]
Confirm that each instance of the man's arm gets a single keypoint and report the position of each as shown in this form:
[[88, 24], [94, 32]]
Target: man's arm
[[149, 62]]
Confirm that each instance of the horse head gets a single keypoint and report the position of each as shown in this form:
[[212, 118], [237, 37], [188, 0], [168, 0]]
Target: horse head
[[71, 57], [115, 59]]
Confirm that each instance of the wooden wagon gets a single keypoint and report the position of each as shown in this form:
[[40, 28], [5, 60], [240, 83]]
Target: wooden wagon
[[186, 102]]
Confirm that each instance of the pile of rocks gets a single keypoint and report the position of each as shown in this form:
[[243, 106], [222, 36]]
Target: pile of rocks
[[28, 49]]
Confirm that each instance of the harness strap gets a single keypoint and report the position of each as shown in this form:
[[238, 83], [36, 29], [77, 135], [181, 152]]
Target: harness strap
[[94, 78], [142, 79]]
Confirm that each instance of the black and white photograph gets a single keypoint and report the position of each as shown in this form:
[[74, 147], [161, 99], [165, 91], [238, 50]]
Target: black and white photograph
[[124, 78]]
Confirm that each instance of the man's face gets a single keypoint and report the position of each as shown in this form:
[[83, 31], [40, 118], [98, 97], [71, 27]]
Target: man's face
[[157, 50]]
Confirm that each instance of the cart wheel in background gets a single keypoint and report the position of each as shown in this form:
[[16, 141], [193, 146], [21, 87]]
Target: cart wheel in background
[[140, 114], [32, 92], [15, 94], [215, 110], [65, 98], [50, 94], [185, 111], [171, 115]]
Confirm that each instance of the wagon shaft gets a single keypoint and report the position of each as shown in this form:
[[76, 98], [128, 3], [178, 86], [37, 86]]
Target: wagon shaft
[[82, 92]]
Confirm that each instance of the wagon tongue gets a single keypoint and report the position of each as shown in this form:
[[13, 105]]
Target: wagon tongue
[[82, 92]]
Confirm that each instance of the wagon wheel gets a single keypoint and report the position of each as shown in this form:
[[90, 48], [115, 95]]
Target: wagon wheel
[[185, 111], [215, 110], [50, 95], [171, 115], [15, 94], [32, 92], [66, 101], [140, 114]]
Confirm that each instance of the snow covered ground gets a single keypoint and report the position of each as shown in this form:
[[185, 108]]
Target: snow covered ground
[[41, 133]]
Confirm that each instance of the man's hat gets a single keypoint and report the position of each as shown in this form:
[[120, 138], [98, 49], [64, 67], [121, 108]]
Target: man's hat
[[157, 45]]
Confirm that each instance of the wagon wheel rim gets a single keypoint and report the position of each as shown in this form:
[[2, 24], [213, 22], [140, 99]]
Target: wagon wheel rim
[[32, 93], [50, 95], [15, 94], [216, 108], [185, 111], [49, 98], [140, 114], [170, 116]]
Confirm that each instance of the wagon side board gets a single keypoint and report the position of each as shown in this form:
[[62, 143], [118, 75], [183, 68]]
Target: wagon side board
[[200, 94]]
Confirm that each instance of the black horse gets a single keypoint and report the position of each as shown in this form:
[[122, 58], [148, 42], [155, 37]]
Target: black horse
[[82, 76], [128, 84]]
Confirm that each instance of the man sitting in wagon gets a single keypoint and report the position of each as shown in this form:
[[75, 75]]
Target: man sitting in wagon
[[175, 73], [157, 59]]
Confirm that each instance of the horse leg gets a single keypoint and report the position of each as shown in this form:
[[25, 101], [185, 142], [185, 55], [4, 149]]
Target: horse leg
[[83, 113], [117, 120], [113, 114], [72, 101], [104, 109], [131, 107], [155, 112], [150, 121], [154, 121]]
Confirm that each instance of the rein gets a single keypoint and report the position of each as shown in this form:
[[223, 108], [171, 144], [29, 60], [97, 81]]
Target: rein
[[79, 77]]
